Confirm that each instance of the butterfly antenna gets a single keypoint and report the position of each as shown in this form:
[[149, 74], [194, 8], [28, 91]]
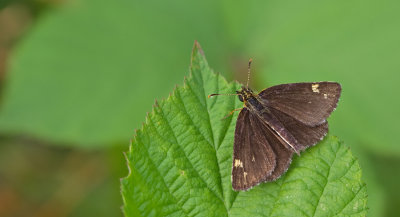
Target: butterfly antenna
[[217, 94], [248, 72]]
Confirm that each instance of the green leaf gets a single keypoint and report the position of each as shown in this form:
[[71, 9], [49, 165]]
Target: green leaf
[[180, 163]]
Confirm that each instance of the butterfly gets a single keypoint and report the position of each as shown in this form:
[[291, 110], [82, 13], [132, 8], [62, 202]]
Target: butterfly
[[275, 123]]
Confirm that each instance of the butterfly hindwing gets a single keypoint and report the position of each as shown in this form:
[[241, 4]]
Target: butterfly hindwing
[[282, 152], [305, 135], [309, 103], [278, 128], [253, 157]]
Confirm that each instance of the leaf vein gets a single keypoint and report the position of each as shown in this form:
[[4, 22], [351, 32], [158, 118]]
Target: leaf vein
[[162, 178], [178, 96], [326, 182]]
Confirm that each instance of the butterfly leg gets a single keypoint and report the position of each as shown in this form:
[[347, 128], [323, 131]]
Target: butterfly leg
[[231, 113]]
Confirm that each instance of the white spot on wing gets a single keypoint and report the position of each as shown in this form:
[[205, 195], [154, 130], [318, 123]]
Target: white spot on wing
[[325, 96], [314, 88], [238, 163]]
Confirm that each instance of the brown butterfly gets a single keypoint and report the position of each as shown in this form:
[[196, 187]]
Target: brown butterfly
[[274, 124]]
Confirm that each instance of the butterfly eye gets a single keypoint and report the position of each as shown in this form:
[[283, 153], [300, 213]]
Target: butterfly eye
[[241, 98]]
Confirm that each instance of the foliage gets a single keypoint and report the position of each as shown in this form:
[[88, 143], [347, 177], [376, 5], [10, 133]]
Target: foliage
[[180, 163], [87, 71]]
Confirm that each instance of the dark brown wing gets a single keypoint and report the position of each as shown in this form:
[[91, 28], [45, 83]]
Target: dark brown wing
[[253, 157], [279, 129], [309, 103], [305, 135], [283, 155], [258, 154]]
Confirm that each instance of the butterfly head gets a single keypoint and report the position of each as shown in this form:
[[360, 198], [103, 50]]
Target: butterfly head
[[245, 93]]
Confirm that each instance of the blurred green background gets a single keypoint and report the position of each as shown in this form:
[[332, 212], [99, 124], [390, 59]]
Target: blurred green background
[[78, 76]]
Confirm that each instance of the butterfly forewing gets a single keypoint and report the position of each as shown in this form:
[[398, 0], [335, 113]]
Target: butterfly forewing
[[309, 103], [253, 157]]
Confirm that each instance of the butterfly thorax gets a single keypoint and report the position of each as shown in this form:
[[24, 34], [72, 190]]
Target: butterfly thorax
[[250, 99]]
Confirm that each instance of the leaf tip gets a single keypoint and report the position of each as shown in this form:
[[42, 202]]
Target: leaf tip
[[196, 51], [197, 48], [155, 103]]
